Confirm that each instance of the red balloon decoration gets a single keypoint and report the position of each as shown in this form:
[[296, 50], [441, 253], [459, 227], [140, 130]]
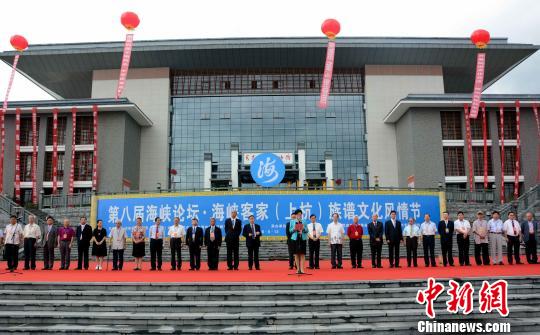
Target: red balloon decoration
[[330, 28], [480, 38], [130, 20], [18, 42]]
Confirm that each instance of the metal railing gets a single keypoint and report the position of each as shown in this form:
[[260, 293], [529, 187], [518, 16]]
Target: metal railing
[[480, 196], [63, 201], [521, 204]]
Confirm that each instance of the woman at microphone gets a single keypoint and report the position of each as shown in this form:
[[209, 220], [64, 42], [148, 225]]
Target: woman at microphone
[[299, 237]]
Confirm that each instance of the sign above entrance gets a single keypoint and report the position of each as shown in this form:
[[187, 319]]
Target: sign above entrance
[[267, 170], [286, 157]]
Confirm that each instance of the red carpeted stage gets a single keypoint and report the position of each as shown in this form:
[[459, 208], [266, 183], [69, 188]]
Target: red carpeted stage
[[271, 271]]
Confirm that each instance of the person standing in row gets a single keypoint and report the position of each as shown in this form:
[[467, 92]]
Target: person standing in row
[[375, 230], [194, 240], [84, 236], [446, 231], [394, 238], [290, 242], [212, 241], [32, 236], [118, 245], [512, 232], [496, 238], [157, 232], [299, 237], [99, 244], [138, 234], [428, 230], [50, 241], [13, 239], [66, 234], [355, 233], [411, 233], [480, 229], [336, 232], [252, 233], [463, 229], [233, 230], [176, 234], [529, 235], [315, 231]]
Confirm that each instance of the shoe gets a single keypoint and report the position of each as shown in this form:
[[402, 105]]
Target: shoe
[[519, 262], [391, 266], [230, 269], [159, 269], [359, 267], [26, 268], [235, 269], [340, 267], [259, 269], [291, 267], [334, 267], [179, 269], [310, 267], [114, 269], [415, 265], [191, 269], [354, 266], [173, 269], [250, 269], [398, 267], [374, 266], [379, 266], [45, 268], [152, 269], [78, 268], [317, 267]]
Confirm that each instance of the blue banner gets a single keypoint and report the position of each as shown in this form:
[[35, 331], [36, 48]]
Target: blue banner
[[271, 211]]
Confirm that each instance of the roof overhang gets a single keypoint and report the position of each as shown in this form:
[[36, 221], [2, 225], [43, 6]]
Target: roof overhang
[[83, 105], [66, 69], [442, 101]]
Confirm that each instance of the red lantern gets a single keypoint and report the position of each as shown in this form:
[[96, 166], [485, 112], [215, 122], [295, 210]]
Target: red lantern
[[174, 172], [338, 181], [130, 20], [480, 38], [330, 28], [18, 42]]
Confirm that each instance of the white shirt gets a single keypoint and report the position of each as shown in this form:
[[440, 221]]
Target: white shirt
[[495, 226], [156, 233], [428, 228], [335, 233], [82, 229], [13, 234], [32, 230], [176, 231], [465, 224], [411, 230], [318, 230], [509, 230], [118, 236]]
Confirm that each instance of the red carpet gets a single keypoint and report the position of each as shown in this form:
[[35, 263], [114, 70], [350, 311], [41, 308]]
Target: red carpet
[[272, 271]]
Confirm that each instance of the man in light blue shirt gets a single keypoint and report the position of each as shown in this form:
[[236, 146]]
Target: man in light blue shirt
[[411, 233], [496, 239], [428, 229]]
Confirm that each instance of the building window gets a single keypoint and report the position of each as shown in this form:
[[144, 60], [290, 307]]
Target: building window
[[510, 161], [509, 124], [26, 131], [26, 166], [454, 164], [62, 120], [59, 167], [478, 161], [310, 84], [83, 166], [85, 130], [226, 85], [254, 84], [476, 127], [275, 84], [451, 125]]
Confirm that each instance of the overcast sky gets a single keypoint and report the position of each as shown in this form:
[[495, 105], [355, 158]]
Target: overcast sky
[[62, 21]]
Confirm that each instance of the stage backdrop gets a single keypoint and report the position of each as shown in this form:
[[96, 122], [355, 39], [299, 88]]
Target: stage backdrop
[[271, 209]]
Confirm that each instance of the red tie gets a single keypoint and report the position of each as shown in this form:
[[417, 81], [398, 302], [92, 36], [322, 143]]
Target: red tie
[[514, 228]]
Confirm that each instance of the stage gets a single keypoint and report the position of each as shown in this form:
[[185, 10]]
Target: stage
[[271, 271]]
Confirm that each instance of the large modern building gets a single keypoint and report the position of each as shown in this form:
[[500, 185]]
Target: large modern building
[[197, 111]]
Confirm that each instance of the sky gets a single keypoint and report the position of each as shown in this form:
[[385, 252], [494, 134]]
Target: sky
[[61, 21]]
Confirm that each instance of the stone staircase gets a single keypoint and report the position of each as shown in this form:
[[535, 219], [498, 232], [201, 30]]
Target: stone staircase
[[377, 307]]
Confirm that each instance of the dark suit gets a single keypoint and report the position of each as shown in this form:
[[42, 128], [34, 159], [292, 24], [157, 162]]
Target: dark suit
[[213, 247], [375, 231], [232, 238], [253, 243], [194, 245], [530, 241], [446, 231], [394, 236], [83, 244], [290, 244], [49, 243]]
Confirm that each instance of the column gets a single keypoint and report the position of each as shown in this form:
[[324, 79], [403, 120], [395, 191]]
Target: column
[[301, 164], [328, 169], [234, 165], [207, 184]]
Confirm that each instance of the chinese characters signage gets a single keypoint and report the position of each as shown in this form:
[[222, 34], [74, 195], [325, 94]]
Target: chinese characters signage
[[267, 170], [286, 157]]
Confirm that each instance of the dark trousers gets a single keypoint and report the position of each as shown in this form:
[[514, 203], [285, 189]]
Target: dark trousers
[[82, 251], [411, 243], [530, 250], [446, 249], [481, 254], [30, 253], [176, 253], [376, 251], [463, 249], [429, 249], [48, 255], [118, 259], [233, 249], [12, 256], [194, 257], [290, 249], [512, 247], [156, 249], [336, 254], [213, 257], [314, 248], [65, 254], [357, 248], [393, 253], [253, 256]]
